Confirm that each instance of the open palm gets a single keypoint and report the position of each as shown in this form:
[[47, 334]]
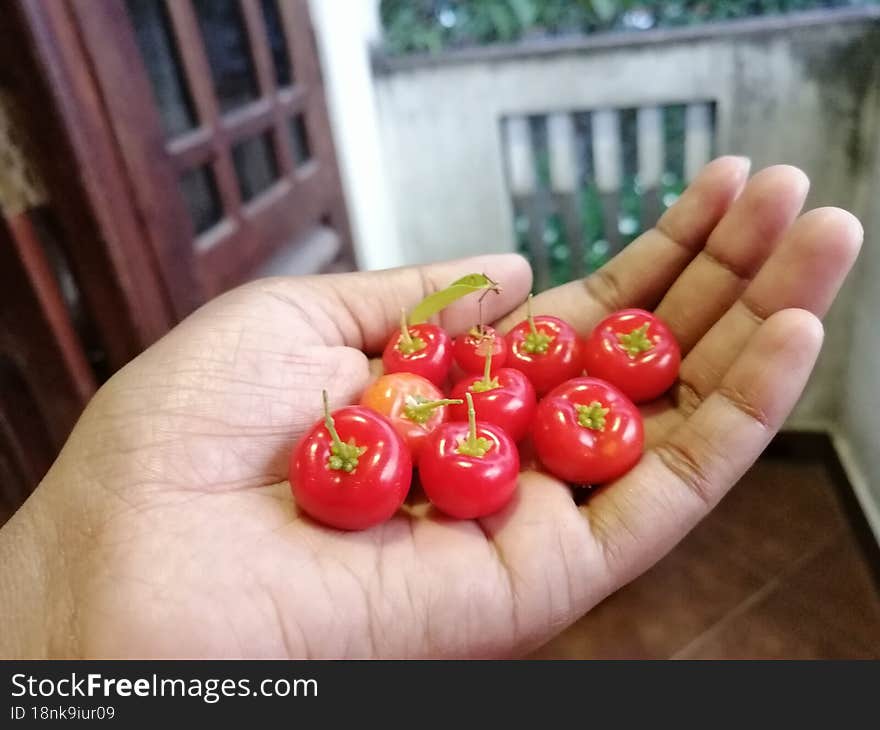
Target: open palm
[[171, 496]]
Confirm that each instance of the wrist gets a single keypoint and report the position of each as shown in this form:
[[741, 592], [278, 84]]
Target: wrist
[[35, 598]]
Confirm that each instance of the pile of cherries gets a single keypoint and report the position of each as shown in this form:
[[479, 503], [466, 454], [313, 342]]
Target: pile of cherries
[[354, 468]]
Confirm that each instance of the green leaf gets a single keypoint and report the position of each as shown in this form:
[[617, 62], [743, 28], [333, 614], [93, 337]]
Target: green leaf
[[433, 303], [605, 9], [525, 11], [503, 22]]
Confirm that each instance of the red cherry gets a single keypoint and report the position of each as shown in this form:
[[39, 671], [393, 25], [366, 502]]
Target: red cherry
[[469, 470], [505, 398], [352, 470], [546, 349], [423, 349], [471, 348], [635, 351], [413, 405], [587, 432]]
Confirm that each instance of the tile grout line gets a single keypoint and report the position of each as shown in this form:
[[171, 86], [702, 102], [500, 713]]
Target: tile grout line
[[758, 596]]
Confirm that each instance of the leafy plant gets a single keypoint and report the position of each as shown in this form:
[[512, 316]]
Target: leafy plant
[[433, 25]]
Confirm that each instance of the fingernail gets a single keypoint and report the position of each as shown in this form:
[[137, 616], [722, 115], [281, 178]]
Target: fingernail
[[745, 162]]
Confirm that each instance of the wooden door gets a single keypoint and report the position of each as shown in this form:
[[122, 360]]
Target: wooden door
[[219, 110], [182, 146], [199, 134]]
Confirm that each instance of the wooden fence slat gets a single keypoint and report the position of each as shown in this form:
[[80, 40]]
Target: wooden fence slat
[[563, 154], [607, 150], [564, 174], [697, 138], [536, 209], [570, 210], [608, 165], [528, 199], [520, 156], [522, 180], [650, 145], [651, 161], [593, 149]]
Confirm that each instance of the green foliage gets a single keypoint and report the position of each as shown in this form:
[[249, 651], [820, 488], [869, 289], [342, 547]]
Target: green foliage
[[432, 25]]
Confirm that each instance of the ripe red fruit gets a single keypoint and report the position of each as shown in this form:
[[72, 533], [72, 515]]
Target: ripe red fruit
[[423, 349], [546, 349], [587, 432], [414, 407], [469, 470], [471, 348], [505, 398], [352, 470], [635, 351]]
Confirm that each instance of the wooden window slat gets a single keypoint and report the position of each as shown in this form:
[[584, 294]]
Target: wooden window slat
[[248, 121], [190, 150], [195, 62], [152, 163], [258, 37], [201, 84], [300, 42], [259, 45], [292, 100], [107, 248]]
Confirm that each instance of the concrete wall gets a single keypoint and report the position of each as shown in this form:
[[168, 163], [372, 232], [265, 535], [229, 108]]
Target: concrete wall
[[776, 101], [798, 90], [344, 36], [858, 423]]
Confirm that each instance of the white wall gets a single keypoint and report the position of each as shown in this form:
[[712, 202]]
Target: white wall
[[344, 30], [776, 102], [859, 423]]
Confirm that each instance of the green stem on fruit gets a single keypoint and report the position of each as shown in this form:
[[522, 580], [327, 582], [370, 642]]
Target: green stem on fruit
[[407, 344], [591, 416], [343, 456], [493, 286], [473, 445], [535, 342], [529, 315], [636, 342], [487, 382], [419, 409]]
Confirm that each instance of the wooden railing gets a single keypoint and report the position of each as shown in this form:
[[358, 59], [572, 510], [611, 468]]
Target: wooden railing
[[565, 148], [583, 184]]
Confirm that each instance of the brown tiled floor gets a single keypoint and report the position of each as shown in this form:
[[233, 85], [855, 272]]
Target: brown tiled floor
[[774, 572]]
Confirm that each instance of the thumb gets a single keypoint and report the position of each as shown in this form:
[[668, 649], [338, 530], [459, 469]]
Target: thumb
[[373, 299]]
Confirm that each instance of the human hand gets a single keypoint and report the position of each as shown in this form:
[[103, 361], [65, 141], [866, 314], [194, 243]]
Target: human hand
[[167, 528]]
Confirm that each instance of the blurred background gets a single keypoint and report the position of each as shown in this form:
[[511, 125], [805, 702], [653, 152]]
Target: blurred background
[[154, 153]]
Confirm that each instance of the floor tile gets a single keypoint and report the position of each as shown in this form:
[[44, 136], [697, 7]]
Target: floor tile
[[773, 572], [827, 609], [695, 586]]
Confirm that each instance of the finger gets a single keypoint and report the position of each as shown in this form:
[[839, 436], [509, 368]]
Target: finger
[[641, 516], [240, 379], [734, 252], [640, 274], [368, 303], [806, 271]]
